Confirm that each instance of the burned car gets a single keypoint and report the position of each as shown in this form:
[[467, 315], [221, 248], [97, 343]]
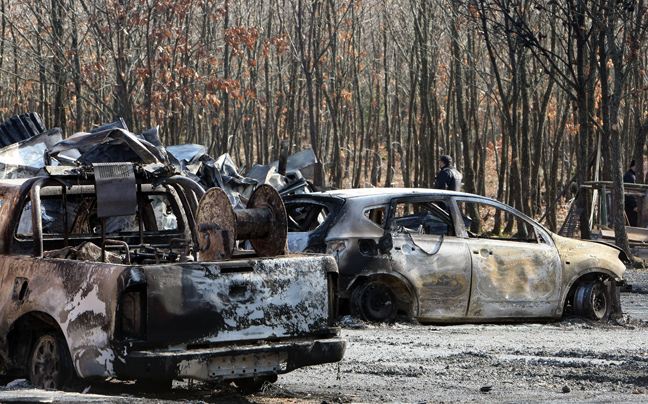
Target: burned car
[[115, 270], [442, 256]]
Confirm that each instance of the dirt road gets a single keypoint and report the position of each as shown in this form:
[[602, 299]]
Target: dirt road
[[569, 361]]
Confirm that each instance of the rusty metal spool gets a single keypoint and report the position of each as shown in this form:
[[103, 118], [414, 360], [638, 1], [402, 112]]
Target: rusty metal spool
[[264, 223]]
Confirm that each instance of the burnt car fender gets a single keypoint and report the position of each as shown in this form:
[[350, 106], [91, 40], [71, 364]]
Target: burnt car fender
[[623, 256], [402, 286], [74, 298]]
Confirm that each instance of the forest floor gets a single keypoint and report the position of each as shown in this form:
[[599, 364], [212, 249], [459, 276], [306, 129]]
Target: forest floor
[[571, 360]]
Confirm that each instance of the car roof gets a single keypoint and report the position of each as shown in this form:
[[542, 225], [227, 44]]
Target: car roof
[[388, 192], [374, 196]]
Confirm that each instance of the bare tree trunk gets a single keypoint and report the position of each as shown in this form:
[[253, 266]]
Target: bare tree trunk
[[389, 174], [360, 116], [621, 65], [557, 153], [539, 149], [409, 160], [58, 64], [525, 146], [583, 78], [427, 150], [224, 136], [3, 33], [468, 175], [76, 72]]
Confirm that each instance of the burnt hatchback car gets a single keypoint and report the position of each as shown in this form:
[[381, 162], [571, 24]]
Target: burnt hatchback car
[[442, 256]]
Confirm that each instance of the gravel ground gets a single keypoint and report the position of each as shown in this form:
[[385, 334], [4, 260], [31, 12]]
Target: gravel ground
[[572, 360]]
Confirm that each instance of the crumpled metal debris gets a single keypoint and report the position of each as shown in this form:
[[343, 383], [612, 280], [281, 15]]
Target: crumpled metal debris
[[25, 158], [113, 145], [86, 251], [20, 127], [39, 151]]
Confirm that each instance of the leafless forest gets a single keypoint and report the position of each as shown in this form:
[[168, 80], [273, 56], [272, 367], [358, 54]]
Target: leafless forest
[[378, 88]]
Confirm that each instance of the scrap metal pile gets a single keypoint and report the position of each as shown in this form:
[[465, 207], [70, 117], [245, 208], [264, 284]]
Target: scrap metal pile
[[29, 149]]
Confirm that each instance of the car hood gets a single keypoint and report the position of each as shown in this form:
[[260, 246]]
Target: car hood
[[581, 256]]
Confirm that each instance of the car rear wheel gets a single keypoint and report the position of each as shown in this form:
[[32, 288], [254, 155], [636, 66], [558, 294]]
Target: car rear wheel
[[50, 366], [375, 301], [591, 301]]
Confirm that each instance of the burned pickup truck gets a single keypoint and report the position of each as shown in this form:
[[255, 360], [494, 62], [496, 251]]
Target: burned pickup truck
[[113, 271]]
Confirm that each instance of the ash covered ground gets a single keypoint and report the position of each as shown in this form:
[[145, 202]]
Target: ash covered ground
[[567, 361]]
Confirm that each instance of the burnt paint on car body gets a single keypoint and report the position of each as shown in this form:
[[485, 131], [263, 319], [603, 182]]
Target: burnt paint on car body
[[315, 241], [78, 296], [446, 274], [240, 306], [278, 308]]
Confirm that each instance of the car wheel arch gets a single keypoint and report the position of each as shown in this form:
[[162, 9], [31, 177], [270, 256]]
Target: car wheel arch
[[24, 332], [405, 292], [594, 274]]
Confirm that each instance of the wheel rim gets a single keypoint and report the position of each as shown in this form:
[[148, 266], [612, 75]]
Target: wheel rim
[[592, 301], [45, 363], [599, 304], [377, 303]]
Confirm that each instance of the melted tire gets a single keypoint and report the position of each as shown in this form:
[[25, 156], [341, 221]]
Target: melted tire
[[253, 385], [154, 385], [375, 301], [50, 365], [592, 301]]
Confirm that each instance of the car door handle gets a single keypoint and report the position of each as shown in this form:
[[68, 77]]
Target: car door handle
[[239, 291], [20, 288], [483, 252]]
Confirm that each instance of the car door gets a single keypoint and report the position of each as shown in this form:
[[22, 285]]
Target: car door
[[516, 269], [427, 251]]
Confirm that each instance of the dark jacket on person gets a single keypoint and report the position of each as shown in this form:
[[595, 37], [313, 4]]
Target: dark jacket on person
[[448, 178], [631, 201], [630, 177]]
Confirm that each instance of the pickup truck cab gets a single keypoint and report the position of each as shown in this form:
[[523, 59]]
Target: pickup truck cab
[[104, 280]]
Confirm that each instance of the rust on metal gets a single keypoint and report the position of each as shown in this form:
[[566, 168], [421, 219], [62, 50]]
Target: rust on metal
[[267, 229], [216, 226], [127, 298], [442, 258], [263, 223]]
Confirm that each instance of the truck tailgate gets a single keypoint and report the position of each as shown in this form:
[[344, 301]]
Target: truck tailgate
[[244, 299]]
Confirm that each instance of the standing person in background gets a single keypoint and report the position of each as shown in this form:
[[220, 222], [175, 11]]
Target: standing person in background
[[631, 201], [448, 177]]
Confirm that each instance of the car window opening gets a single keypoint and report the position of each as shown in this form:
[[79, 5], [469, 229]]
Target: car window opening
[[423, 218], [71, 228], [489, 221], [306, 217], [81, 212], [376, 215]]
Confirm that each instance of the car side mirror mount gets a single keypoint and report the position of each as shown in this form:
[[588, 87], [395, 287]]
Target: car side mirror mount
[[385, 243]]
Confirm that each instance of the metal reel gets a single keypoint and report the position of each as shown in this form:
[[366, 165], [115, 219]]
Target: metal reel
[[215, 226], [271, 236], [264, 223]]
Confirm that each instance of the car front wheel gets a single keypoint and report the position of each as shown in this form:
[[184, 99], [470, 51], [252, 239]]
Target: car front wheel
[[375, 301], [50, 366], [592, 301]]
